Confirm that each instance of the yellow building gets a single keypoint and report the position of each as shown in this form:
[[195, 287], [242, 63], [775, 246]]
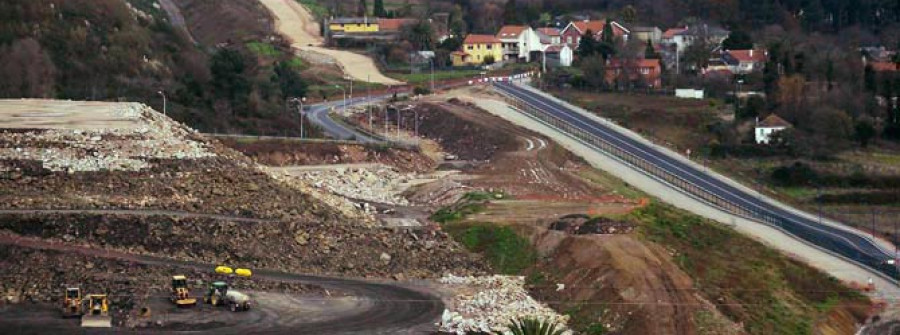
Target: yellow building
[[477, 48], [352, 25]]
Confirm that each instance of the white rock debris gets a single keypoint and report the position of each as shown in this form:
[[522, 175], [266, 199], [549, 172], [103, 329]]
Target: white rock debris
[[380, 184], [489, 303], [124, 149]]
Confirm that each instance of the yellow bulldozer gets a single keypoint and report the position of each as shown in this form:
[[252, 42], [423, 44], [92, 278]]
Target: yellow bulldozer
[[96, 311], [181, 294], [71, 302]]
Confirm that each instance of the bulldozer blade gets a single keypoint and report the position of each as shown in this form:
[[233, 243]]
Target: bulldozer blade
[[96, 321], [186, 303]]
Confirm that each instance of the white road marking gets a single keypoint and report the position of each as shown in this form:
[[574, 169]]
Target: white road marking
[[530, 144]]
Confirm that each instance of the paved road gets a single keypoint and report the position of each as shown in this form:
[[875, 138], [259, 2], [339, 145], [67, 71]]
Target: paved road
[[393, 309], [844, 242], [318, 115]]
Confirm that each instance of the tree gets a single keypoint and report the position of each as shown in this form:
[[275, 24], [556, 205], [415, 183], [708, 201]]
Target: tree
[[533, 327], [869, 80], [489, 59], [629, 14], [361, 10], [26, 71], [608, 36], [588, 46], [650, 52], [420, 34], [227, 67], [510, 12], [737, 40], [290, 82], [593, 69], [378, 8], [865, 132]]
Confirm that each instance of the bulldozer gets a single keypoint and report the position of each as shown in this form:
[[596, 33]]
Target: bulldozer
[[71, 302], [181, 294], [96, 311], [220, 294]]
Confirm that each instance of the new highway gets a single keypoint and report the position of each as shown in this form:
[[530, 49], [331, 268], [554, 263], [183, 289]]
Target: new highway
[[850, 244]]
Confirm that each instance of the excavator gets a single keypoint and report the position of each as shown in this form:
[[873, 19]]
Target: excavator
[[181, 294], [96, 311]]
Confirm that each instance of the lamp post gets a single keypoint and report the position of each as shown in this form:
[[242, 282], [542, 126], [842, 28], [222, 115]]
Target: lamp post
[[163, 94], [301, 100]]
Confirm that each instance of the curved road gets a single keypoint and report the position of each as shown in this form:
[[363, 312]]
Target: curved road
[[394, 309], [318, 115], [844, 242]]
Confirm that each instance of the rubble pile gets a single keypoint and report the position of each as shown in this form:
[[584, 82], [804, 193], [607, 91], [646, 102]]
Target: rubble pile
[[299, 247], [120, 149], [380, 184], [489, 303], [579, 224], [290, 153], [41, 276]]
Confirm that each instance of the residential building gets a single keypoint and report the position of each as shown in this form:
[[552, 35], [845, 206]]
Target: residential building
[[885, 66], [673, 36], [745, 61], [687, 36], [353, 25], [573, 32], [559, 55], [477, 48], [519, 43], [634, 73], [365, 28], [549, 36], [652, 34], [770, 125]]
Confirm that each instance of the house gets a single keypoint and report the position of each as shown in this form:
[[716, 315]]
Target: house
[[549, 36], [476, 49], [353, 25], [745, 61], [634, 73], [573, 32], [559, 55], [687, 36], [652, 34], [885, 66], [770, 125], [519, 42]]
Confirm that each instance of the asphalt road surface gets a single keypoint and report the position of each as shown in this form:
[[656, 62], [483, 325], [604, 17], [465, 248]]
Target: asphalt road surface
[[318, 115], [846, 243]]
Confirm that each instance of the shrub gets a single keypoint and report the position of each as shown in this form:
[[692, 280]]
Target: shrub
[[797, 174]]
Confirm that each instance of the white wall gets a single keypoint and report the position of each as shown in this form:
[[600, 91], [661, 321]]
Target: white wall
[[764, 134]]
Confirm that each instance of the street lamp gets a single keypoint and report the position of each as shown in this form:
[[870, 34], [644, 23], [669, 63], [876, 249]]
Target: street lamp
[[344, 94], [300, 112], [164, 100]]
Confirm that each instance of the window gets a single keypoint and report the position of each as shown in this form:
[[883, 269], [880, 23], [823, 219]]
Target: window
[[645, 70], [490, 46], [569, 39], [470, 47]]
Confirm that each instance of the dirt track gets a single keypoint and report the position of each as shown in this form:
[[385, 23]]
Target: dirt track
[[298, 25], [367, 307]]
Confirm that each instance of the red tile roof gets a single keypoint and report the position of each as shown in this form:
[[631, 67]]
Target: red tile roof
[[756, 56], [480, 39], [549, 31], [393, 24], [672, 32], [595, 26], [554, 48], [774, 121], [510, 31], [884, 66]]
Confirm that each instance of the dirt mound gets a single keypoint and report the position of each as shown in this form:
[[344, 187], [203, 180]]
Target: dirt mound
[[286, 153], [642, 291], [299, 247], [580, 224]]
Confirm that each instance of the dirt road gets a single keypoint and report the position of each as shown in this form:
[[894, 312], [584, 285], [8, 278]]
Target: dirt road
[[365, 307], [298, 25]]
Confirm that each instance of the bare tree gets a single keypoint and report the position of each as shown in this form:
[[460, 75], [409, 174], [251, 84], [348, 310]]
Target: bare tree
[[27, 71]]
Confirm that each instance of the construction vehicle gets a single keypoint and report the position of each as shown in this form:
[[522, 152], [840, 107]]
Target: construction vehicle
[[219, 294], [71, 302], [181, 294], [96, 311]]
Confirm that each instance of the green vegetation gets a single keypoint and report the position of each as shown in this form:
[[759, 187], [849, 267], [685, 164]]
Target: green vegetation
[[425, 77], [506, 251], [534, 327], [315, 8], [784, 296], [470, 203], [263, 49]]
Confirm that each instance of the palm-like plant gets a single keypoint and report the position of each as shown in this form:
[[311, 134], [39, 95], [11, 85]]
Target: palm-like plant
[[534, 327]]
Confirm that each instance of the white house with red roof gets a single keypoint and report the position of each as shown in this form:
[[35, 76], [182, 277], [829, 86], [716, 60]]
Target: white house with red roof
[[559, 55], [768, 126], [519, 42], [549, 36], [573, 32], [745, 61]]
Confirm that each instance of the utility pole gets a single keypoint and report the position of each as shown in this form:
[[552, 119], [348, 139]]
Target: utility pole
[[301, 100], [432, 75], [163, 94]]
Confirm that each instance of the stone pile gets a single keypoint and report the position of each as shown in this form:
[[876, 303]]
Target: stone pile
[[487, 304], [380, 184], [118, 149]]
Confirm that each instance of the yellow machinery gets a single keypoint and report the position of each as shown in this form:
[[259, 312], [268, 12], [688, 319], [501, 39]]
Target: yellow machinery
[[181, 294], [96, 313], [71, 302]]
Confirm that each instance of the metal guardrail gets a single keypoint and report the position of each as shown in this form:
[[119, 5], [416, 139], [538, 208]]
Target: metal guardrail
[[889, 272]]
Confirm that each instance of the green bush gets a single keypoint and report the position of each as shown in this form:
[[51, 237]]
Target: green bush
[[505, 250]]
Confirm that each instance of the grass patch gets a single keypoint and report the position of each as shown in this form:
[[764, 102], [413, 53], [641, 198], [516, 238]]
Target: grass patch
[[507, 252], [425, 77], [315, 8], [470, 203], [263, 49], [296, 63], [766, 291]]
